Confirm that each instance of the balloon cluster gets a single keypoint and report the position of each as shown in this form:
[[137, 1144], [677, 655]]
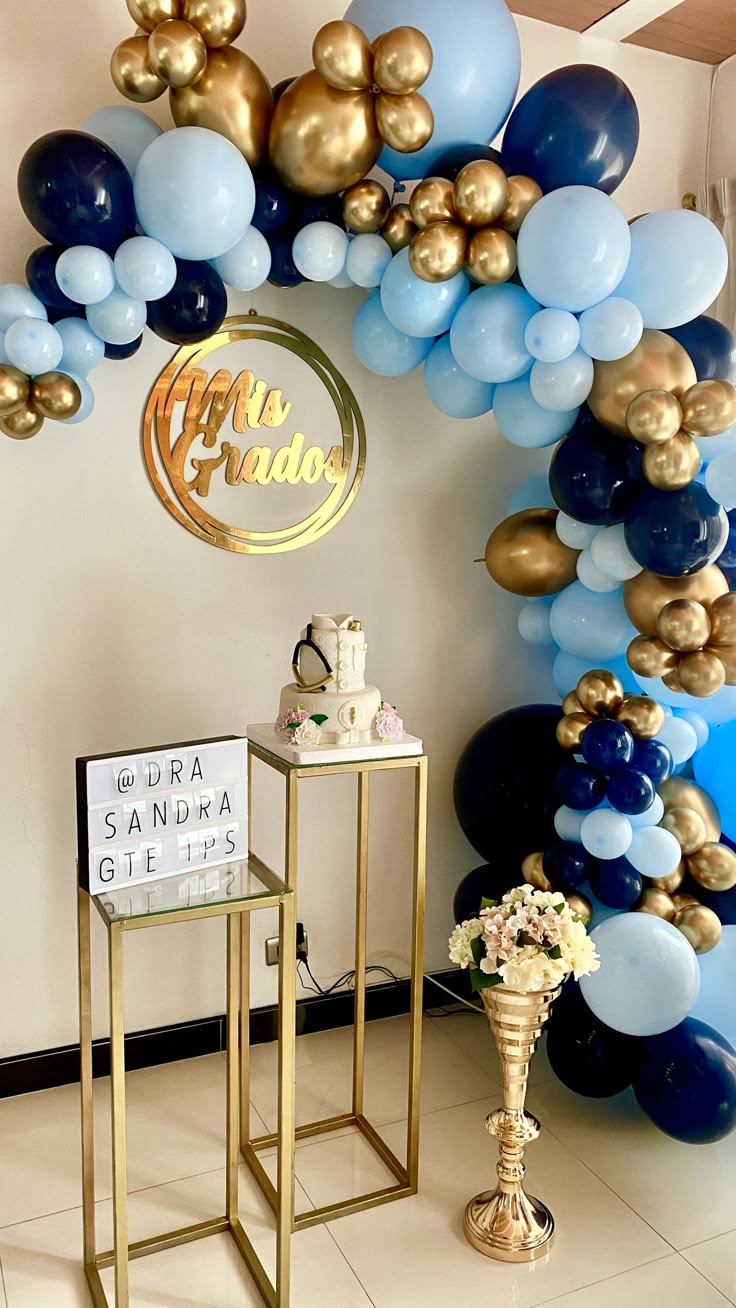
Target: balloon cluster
[[666, 427], [694, 650]]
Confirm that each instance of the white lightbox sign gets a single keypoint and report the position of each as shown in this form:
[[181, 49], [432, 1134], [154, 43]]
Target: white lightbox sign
[[158, 812]]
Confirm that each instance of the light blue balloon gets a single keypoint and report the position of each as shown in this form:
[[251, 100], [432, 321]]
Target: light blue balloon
[[534, 493], [17, 301], [716, 709], [591, 576], [194, 192], [651, 817], [320, 250], [573, 248], [589, 624], [611, 329], [368, 258], [3, 356], [611, 553], [715, 770], [88, 400], [711, 447], [605, 833], [119, 319], [552, 335], [85, 274], [533, 623], [83, 350], [568, 822], [679, 737], [247, 265], [567, 670], [649, 977], [450, 389], [475, 72], [342, 282], [524, 422], [144, 268], [720, 479], [578, 535], [714, 1004], [422, 308], [33, 345], [487, 336], [698, 724], [654, 851], [381, 347], [562, 386], [126, 130], [677, 267]]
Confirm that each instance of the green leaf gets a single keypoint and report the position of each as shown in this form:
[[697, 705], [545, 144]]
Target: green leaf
[[319, 718], [488, 903], [559, 908], [477, 949], [484, 980], [293, 725], [554, 953]]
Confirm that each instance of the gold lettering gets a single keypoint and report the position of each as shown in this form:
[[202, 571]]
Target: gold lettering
[[285, 465], [255, 465], [205, 468], [335, 470], [313, 465], [274, 412]]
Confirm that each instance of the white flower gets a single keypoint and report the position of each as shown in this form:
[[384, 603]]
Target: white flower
[[460, 950], [308, 733]]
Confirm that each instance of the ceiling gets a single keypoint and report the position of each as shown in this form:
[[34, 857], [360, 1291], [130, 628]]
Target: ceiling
[[704, 30]]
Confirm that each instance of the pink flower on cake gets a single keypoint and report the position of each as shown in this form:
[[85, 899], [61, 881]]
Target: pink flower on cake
[[286, 723], [388, 724]]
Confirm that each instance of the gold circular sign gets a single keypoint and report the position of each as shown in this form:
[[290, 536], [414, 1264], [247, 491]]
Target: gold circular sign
[[182, 424]]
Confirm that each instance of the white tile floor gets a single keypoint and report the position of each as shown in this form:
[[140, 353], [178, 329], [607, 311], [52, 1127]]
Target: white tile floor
[[641, 1220]]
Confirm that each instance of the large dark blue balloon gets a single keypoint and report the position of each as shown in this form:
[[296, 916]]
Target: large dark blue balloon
[[676, 533], [616, 883], [711, 347], [607, 746], [41, 279], [284, 271], [75, 190], [123, 351], [580, 787], [654, 758], [505, 796], [194, 307], [275, 206], [321, 209], [630, 791], [482, 883], [727, 559], [686, 1083], [595, 476], [587, 1056], [452, 161], [577, 126], [567, 864]]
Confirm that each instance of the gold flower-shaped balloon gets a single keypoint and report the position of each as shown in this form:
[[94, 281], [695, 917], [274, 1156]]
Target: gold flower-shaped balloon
[[25, 402], [666, 424], [600, 694], [694, 649], [367, 209]]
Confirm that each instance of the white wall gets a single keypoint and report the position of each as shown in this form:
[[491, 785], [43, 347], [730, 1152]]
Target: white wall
[[723, 141], [120, 629]]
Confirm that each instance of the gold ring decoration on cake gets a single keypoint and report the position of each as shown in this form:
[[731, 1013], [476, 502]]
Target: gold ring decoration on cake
[[300, 680]]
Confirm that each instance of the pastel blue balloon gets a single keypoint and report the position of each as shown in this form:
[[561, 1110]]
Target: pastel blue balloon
[[651, 817], [320, 250], [144, 268], [716, 709], [450, 389], [85, 274], [573, 248], [720, 479], [33, 345], [194, 192], [611, 554], [524, 422], [17, 301], [589, 624], [552, 335], [578, 535], [591, 576], [381, 347], [649, 977], [605, 833], [680, 738], [342, 282], [654, 851], [568, 822], [698, 724], [88, 400], [475, 70], [715, 766], [247, 265], [714, 1004], [565, 385], [534, 493], [677, 267], [119, 319], [126, 130], [83, 349], [368, 258], [487, 336], [711, 447], [533, 623], [611, 329], [567, 670], [3, 356], [422, 308]]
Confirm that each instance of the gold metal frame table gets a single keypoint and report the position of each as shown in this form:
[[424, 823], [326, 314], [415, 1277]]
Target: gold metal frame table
[[234, 891], [407, 1174]]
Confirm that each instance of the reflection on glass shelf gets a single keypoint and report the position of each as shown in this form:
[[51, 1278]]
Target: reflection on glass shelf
[[215, 885]]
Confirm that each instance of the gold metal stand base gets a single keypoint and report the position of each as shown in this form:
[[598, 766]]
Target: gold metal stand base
[[510, 1228]]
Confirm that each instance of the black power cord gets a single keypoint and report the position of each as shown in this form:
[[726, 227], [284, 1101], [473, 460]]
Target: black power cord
[[344, 980]]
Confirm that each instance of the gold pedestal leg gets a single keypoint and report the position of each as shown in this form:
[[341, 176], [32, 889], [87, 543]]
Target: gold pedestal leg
[[119, 1144], [361, 942], [287, 1078], [85, 1043], [233, 1068], [417, 970]]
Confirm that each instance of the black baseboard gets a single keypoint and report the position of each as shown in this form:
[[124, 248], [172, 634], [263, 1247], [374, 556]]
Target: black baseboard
[[24, 1073]]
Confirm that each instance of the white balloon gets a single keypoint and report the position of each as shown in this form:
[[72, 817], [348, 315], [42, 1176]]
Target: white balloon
[[611, 555], [578, 535]]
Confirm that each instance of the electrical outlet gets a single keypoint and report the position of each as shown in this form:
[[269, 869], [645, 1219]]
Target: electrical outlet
[[302, 946]]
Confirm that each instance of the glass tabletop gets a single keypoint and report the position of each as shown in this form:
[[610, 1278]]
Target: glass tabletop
[[245, 879]]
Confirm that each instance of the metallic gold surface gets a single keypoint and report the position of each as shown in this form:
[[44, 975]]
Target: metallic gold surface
[[688, 827], [131, 71], [701, 673], [656, 902], [571, 703], [366, 206], [646, 594], [657, 363], [176, 52], [571, 728], [22, 423], [681, 792], [399, 228], [709, 408], [218, 21], [402, 60], [723, 620], [700, 925], [673, 464], [323, 140], [599, 693], [653, 417], [713, 867], [681, 899], [580, 904], [643, 716], [55, 395], [342, 55], [727, 655], [651, 657], [14, 389], [684, 625], [233, 98], [673, 881], [481, 193], [533, 872], [525, 555], [523, 195], [405, 122], [431, 202], [491, 257], [149, 13], [437, 252]]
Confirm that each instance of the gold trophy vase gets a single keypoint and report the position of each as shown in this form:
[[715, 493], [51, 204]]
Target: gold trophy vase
[[507, 1223]]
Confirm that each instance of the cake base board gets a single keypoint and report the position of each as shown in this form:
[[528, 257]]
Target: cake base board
[[264, 735]]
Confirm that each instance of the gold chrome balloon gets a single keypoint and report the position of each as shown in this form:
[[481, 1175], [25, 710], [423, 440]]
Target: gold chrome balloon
[[55, 395], [709, 408], [646, 594], [406, 122], [432, 202], [323, 140], [713, 867], [701, 673], [658, 363], [723, 620], [177, 53], [571, 703], [580, 905], [481, 192], [366, 206], [525, 555], [727, 655], [680, 792], [523, 195], [571, 729], [22, 423], [218, 21], [653, 417], [233, 98], [644, 717], [533, 873], [681, 899], [491, 256], [689, 829], [131, 71], [672, 681], [673, 881], [650, 657], [700, 925], [399, 228], [673, 464], [149, 13], [656, 902], [600, 693], [342, 55], [14, 389], [684, 625], [402, 60], [437, 252]]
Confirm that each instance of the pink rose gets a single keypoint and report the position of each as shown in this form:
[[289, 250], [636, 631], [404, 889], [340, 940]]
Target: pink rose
[[388, 724]]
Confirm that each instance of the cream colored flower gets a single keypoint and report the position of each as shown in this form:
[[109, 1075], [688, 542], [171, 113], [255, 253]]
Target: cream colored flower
[[308, 733], [460, 941]]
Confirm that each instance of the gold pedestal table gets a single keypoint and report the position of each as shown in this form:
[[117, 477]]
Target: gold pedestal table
[[233, 891]]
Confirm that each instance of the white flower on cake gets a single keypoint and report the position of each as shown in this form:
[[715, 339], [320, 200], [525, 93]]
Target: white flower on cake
[[308, 732]]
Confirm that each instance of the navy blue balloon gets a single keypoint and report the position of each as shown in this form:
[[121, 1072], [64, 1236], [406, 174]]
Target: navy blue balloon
[[567, 864], [711, 346], [723, 902], [578, 126], [686, 1083], [75, 190], [607, 745], [483, 882], [452, 161], [55, 315], [123, 351], [616, 883], [585, 1054], [41, 279], [654, 758], [630, 791], [727, 559], [194, 307], [676, 533], [594, 476], [580, 787], [284, 271], [275, 206], [321, 209]]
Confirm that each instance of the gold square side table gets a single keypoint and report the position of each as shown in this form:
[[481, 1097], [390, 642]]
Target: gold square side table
[[406, 1174], [233, 891]]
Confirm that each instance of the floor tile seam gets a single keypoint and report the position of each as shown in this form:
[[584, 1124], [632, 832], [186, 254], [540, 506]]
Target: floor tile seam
[[700, 1271], [347, 1262], [687, 1247], [648, 1262], [3, 1286]]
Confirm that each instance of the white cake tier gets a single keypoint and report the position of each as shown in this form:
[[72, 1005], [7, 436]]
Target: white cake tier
[[349, 717]]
